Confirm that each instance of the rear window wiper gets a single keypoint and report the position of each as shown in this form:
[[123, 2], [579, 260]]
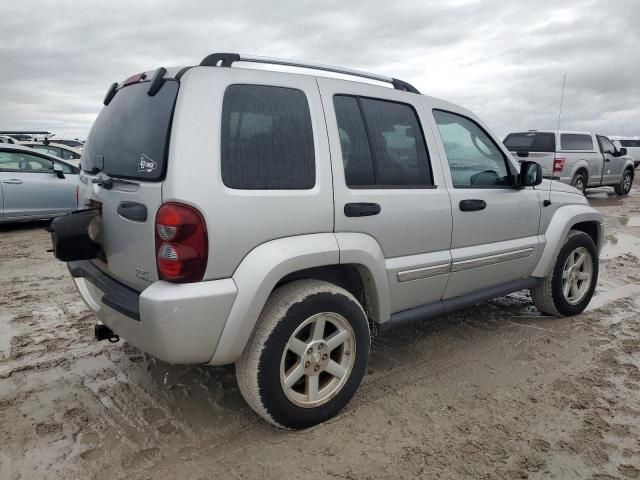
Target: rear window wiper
[[107, 182]]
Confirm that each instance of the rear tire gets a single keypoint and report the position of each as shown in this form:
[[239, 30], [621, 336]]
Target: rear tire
[[625, 183], [306, 356], [579, 181], [568, 288]]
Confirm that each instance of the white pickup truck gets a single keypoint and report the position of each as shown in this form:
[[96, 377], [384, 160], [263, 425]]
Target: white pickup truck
[[580, 159]]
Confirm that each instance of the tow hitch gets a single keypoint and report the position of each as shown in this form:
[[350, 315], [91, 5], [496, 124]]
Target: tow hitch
[[105, 333]]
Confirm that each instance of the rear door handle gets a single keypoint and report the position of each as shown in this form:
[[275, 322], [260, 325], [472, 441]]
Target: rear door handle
[[361, 209], [13, 181], [472, 205]]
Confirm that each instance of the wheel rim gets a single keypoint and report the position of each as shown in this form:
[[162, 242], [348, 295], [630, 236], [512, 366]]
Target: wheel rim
[[576, 275], [317, 360], [579, 184], [626, 182]]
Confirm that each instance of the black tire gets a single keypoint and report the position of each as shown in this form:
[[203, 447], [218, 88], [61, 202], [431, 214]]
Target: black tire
[[258, 370], [624, 187], [579, 181], [548, 296]]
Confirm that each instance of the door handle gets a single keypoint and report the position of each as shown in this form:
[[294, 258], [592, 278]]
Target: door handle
[[472, 205], [607, 159], [13, 181], [361, 209]]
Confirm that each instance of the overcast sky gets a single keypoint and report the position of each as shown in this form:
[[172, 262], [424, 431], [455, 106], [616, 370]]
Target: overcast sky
[[502, 59]]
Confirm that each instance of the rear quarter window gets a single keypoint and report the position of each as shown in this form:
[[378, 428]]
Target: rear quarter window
[[576, 141], [267, 139]]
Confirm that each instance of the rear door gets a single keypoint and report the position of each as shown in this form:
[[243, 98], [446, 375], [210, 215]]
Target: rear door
[[128, 143], [31, 188], [389, 185], [495, 226]]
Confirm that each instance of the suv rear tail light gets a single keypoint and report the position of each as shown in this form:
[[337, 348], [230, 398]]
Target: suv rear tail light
[[558, 164], [181, 243]]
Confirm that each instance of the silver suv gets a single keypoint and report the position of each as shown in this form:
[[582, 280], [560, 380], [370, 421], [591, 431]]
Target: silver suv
[[272, 220]]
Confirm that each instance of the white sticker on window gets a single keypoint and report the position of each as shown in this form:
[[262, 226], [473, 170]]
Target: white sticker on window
[[145, 164]]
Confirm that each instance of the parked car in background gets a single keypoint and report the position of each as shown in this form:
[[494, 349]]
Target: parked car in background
[[70, 154], [8, 139], [580, 159], [35, 185], [317, 207], [77, 144], [632, 145]]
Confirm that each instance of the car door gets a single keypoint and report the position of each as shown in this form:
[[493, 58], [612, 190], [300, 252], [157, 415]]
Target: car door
[[613, 163], [388, 184], [32, 188], [495, 226]]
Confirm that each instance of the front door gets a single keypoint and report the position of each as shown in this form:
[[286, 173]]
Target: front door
[[613, 164], [495, 226], [389, 185]]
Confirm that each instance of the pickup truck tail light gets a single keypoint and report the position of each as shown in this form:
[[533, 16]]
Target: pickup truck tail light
[[558, 164], [181, 243]]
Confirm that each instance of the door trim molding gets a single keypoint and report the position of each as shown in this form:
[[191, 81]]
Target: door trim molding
[[423, 272], [490, 259]]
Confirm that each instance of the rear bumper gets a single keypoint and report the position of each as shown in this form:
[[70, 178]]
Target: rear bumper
[[177, 323]]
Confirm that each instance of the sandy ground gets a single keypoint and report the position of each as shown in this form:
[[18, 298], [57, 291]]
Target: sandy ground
[[494, 391]]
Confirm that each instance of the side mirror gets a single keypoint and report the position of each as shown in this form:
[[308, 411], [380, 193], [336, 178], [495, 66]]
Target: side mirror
[[530, 174], [622, 152], [57, 170]]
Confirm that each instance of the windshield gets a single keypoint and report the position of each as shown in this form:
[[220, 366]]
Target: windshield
[[531, 142], [130, 137]]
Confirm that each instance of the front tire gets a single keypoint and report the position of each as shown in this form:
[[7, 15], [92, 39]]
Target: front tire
[[625, 184], [568, 289], [307, 355]]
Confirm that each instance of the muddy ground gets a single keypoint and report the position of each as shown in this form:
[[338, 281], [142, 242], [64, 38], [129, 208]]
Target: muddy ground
[[494, 391]]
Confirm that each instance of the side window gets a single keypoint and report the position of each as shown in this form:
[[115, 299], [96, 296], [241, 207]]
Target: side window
[[66, 168], [69, 155], [576, 141], [606, 145], [267, 139], [382, 143], [18, 161], [474, 158]]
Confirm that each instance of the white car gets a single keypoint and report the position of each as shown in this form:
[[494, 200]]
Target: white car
[[632, 144]]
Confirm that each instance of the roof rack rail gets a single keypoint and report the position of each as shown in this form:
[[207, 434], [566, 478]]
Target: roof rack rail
[[227, 59]]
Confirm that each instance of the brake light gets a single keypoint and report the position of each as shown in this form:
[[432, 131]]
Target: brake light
[[138, 77], [558, 164], [181, 243]]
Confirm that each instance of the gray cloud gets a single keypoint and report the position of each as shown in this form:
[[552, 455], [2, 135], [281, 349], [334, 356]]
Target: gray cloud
[[504, 60]]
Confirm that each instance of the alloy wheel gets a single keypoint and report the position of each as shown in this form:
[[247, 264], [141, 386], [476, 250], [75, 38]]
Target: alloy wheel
[[317, 360]]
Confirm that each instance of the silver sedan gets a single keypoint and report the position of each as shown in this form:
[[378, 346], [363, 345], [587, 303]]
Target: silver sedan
[[34, 185]]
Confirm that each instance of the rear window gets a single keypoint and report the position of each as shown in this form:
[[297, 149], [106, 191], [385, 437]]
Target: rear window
[[576, 141], [267, 139], [531, 142], [630, 143], [130, 137]]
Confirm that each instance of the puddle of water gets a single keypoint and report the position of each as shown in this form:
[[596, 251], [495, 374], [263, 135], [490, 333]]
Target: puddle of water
[[620, 244], [633, 222]]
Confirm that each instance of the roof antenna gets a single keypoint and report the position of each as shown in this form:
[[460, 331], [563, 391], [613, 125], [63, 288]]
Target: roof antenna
[[547, 202]]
